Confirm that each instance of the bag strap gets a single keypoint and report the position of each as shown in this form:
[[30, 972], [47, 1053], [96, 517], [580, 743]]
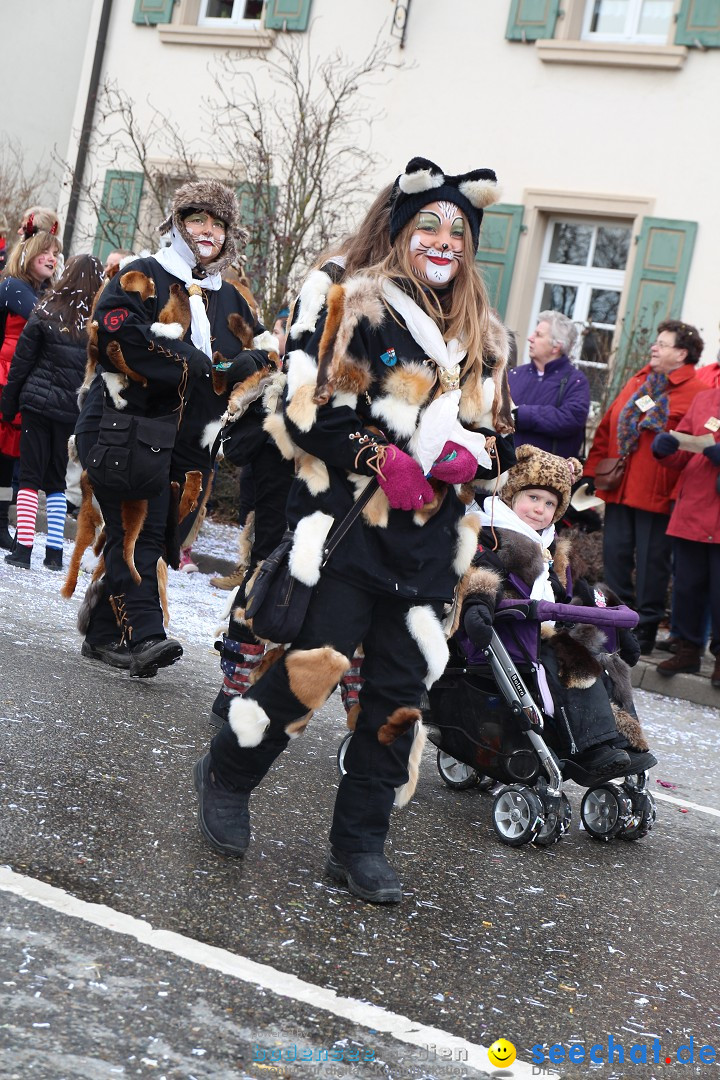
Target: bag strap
[[341, 530]]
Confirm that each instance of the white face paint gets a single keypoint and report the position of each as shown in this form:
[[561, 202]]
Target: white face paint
[[208, 233], [438, 243]]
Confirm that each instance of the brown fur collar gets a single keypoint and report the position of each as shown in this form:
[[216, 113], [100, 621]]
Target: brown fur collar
[[520, 556]]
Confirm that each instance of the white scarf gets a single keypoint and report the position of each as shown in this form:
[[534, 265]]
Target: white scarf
[[503, 517], [439, 422], [179, 260]]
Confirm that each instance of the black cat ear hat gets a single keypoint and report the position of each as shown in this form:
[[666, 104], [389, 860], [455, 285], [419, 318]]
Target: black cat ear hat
[[424, 182]]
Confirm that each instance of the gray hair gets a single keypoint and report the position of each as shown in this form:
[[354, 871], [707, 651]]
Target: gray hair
[[563, 331]]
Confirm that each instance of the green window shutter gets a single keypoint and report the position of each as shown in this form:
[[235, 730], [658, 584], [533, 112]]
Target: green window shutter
[[657, 290], [699, 23], [151, 12], [118, 216], [499, 235], [532, 19], [287, 14], [258, 218]]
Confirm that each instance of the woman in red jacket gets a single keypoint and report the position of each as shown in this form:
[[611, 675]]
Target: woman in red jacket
[[695, 531], [637, 512]]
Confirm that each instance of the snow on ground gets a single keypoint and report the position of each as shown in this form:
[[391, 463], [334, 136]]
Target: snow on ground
[[197, 609]]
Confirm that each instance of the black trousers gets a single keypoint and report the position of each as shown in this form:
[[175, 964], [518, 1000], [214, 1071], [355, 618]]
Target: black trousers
[[583, 716], [342, 615], [43, 452], [636, 540], [138, 606], [697, 579]]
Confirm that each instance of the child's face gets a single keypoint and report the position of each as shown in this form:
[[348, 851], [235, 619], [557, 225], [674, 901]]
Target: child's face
[[536, 507]]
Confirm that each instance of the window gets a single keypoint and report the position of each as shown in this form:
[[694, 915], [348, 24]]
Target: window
[[229, 12], [628, 20], [582, 274]]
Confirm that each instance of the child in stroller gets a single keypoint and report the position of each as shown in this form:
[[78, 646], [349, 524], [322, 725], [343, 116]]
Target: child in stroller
[[515, 621]]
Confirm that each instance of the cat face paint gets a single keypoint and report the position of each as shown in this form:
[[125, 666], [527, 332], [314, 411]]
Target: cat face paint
[[437, 245]]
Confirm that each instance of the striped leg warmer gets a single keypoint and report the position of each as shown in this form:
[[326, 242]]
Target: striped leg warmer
[[27, 504], [56, 511]]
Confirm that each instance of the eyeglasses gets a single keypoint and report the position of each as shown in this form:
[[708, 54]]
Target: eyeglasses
[[664, 345]]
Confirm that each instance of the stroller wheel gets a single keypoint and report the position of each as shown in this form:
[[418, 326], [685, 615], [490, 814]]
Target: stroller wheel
[[605, 811], [643, 817], [517, 814], [456, 774], [342, 750], [556, 824]]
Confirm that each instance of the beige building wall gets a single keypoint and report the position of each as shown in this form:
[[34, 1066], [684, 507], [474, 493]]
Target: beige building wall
[[616, 130]]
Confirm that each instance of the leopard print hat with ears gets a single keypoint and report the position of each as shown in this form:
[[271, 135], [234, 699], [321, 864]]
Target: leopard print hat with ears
[[424, 182], [537, 469]]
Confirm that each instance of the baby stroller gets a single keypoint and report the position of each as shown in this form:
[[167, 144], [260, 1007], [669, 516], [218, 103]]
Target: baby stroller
[[483, 715]]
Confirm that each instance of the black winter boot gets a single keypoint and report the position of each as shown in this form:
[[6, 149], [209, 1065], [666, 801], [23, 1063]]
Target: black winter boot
[[19, 556], [6, 540], [223, 816], [151, 654], [53, 558], [113, 653], [367, 874], [646, 635]]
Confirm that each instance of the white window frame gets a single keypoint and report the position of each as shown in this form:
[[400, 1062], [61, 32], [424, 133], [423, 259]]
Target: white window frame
[[585, 278], [235, 19], [632, 20]]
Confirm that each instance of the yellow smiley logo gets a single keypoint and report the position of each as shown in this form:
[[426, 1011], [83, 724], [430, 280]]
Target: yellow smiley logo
[[501, 1054]]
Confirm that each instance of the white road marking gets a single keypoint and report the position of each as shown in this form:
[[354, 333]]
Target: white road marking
[[685, 802], [282, 983]]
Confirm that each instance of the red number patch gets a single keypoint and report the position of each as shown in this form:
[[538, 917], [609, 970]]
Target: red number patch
[[115, 318]]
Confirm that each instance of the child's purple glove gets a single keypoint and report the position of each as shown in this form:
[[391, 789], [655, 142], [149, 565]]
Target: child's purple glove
[[460, 468], [712, 453], [664, 444], [403, 481]]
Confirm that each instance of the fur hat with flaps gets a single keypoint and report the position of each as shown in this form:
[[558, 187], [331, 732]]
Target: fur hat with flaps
[[537, 469], [424, 182], [216, 199]]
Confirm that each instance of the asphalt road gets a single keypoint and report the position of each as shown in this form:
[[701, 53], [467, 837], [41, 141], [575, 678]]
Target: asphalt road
[[573, 944]]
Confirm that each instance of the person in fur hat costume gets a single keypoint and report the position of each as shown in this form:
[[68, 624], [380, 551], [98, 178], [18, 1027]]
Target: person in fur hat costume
[[518, 557], [170, 339], [402, 379]]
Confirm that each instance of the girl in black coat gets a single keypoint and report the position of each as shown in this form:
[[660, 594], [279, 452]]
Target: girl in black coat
[[45, 375]]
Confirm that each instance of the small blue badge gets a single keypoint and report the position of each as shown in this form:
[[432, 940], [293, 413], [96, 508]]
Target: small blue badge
[[389, 357]]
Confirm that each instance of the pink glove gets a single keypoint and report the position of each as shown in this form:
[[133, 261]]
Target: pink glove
[[403, 481], [461, 467]]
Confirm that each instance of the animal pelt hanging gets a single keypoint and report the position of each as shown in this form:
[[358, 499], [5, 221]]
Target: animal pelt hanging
[[133, 513], [89, 521], [576, 666]]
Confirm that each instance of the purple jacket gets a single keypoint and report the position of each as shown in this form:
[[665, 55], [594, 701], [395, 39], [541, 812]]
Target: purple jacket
[[559, 429]]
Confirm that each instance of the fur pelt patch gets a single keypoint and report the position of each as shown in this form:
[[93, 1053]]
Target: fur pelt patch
[[519, 555], [468, 529], [310, 303], [358, 298], [313, 674], [174, 313], [136, 281], [173, 330], [89, 520], [93, 596], [115, 384], [244, 393], [629, 726], [479, 581], [351, 376], [561, 558], [301, 371], [269, 658], [426, 629], [275, 426], [302, 410], [241, 329], [352, 716], [313, 472], [307, 551], [410, 382], [268, 343], [296, 727], [335, 309], [577, 667], [133, 513], [210, 433], [248, 721], [376, 511], [115, 354], [399, 721], [400, 416], [405, 792], [429, 510], [162, 580], [191, 492]]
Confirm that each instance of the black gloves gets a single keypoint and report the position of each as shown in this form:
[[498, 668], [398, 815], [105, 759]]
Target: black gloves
[[628, 647], [712, 453], [664, 444], [477, 620]]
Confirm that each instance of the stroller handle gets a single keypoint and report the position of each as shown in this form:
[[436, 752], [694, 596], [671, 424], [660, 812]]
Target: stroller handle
[[616, 618]]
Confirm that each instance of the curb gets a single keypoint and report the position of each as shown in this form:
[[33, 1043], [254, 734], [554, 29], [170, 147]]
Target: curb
[[694, 688]]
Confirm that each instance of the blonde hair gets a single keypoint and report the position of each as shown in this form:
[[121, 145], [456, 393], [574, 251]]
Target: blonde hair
[[22, 255], [44, 219], [467, 316]]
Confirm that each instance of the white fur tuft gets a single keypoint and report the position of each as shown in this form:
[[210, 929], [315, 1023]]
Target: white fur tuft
[[404, 794], [310, 303], [400, 415], [425, 627], [115, 384], [344, 398], [168, 330], [307, 550], [266, 341], [248, 721], [422, 180], [210, 433], [480, 192], [468, 529], [301, 371]]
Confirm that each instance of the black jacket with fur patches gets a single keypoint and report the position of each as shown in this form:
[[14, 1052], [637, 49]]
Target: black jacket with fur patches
[[373, 381], [140, 340]]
